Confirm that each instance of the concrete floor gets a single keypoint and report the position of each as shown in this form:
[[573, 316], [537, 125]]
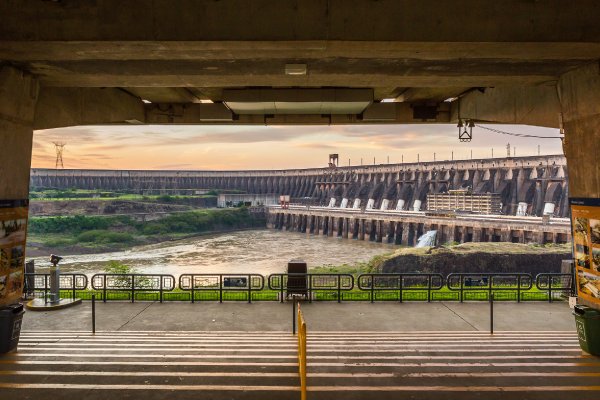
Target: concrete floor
[[271, 316]]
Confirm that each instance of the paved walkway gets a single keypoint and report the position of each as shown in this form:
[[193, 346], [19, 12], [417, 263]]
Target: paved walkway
[[355, 351], [271, 316]]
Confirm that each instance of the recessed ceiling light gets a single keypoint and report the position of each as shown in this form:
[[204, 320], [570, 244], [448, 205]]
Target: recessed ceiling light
[[390, 100], [206, 101], [295, 69], [146, 101]]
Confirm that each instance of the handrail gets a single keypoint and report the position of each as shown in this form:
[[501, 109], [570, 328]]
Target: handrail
[[133, 283], [489, 282], [546, 282], [400, 282], [306, 284], [70, 282], [302, 353], [221, 282]]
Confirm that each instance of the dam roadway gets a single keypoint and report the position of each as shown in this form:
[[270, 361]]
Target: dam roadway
[[405, 227]]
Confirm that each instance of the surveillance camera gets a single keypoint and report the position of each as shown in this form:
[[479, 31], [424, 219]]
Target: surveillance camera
[[54, 259]]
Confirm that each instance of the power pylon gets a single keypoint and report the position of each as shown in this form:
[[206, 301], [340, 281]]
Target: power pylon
[[59, 147]]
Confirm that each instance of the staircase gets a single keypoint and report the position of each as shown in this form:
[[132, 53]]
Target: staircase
[[264, 365]]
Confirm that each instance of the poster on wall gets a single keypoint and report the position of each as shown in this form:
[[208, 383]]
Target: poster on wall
[[585, 219], [13, 233]]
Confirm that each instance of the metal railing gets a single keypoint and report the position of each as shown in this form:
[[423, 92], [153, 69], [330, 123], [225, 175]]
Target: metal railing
[[239, 283], [555, 283], [71, 283], [309, 284], [400, 283], [133, 284], [482, 285], [302, 353]]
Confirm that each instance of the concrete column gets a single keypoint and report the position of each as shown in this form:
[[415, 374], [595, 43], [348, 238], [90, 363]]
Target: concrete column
[[356, 204], [344, 203], [379, 231], [345, 227], [370, 204], [417, 205], [477, 234], [18, 97], [332, 202], [400, 205], [405, 233], [580, 102], [361, 229], [384, 204], [331, 226]]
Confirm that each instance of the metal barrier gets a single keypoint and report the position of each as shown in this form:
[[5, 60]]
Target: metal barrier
[[247, 283], [337, 283], [555, 282], [68, 282], [409, 282], [133, 283], [489, 283], [302, 353]]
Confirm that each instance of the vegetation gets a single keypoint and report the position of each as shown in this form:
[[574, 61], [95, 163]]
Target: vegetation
[[82, 194], [116, 232]]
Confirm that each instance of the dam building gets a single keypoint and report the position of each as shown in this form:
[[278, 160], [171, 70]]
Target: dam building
[[526, 186]]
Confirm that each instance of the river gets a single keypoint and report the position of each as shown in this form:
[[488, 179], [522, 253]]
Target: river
[[256, 251]]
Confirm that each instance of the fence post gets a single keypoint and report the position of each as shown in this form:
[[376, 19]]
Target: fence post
[[492, 313], [249, 289], [339, 297], [294, 314], [93, 314], [221, 288]]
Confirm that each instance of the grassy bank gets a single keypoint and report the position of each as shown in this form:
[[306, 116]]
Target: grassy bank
[[85, 234]]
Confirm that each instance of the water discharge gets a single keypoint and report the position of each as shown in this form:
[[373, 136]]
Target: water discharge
[[257, 251], [427, 239]]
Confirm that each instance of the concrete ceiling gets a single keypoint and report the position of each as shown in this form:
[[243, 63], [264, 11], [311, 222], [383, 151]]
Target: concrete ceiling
[[190, 52]]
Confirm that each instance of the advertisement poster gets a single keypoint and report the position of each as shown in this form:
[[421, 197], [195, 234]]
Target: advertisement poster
[[13, 232], [585, 217]]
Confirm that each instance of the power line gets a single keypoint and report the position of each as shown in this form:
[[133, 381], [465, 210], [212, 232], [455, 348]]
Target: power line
[[517, 134]]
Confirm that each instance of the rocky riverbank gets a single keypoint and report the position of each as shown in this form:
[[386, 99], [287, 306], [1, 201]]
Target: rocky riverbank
[[476, 257]]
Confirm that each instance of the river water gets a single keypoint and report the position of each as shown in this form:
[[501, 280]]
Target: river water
[[256, 251]]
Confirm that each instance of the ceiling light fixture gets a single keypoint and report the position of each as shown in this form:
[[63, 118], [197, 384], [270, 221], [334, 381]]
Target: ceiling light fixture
[[295, 69]]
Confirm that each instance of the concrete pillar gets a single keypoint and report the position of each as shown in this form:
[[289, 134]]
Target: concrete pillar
[[379, 231], [361, 229], [417, 205], [345, 227], [356, 204], [18, 97], [344, 203], [332, 202], [370, 204], [405, 233], [522, 209], [384, 204], [331, 225], [400, 205], [549, 209], [477, 234]]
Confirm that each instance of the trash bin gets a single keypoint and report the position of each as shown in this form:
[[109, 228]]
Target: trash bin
[[587, 321], [11, 318]]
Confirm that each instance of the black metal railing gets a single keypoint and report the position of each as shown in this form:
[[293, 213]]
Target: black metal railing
[[232, 283], [555, 283], [308, 285], [400, 283], [132, 284], [480, 286], [40, 283]]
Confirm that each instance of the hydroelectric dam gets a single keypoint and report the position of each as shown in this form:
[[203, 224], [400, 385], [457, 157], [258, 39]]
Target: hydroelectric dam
[[385, 202]]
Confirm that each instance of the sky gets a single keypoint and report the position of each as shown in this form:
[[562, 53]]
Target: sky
[[239, 147]]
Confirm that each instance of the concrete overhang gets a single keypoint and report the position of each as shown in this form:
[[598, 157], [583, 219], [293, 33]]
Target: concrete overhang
[[298, 101]]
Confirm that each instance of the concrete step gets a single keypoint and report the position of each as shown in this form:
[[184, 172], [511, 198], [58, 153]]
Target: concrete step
[[260, 365]]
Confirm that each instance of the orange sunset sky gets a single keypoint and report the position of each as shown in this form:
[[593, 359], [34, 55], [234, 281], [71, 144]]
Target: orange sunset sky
[[221, 147]]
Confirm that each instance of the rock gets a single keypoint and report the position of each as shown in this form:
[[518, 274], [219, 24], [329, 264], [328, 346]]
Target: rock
[[477, 258]]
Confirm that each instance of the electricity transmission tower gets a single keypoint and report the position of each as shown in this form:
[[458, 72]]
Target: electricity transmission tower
[[59, 147]]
